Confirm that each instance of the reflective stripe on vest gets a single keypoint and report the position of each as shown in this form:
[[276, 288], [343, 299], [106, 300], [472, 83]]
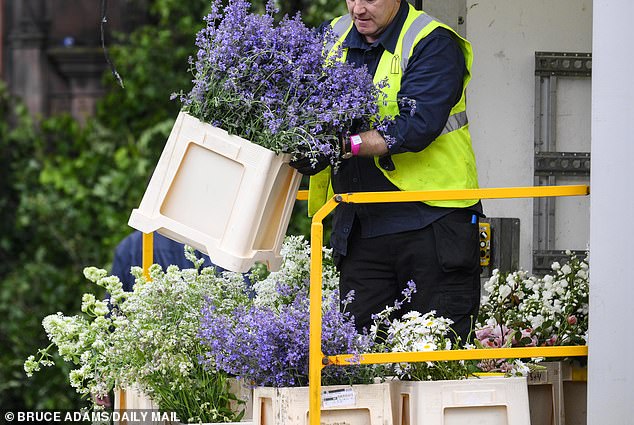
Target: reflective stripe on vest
[[448, 162], [454, 122], [410, 36], [343, 24]]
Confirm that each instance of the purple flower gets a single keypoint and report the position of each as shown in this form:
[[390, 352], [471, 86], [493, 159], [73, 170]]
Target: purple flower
[[273, 83], [269, 345]]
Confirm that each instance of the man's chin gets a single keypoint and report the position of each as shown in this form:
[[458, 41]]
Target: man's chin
[[365, 30]]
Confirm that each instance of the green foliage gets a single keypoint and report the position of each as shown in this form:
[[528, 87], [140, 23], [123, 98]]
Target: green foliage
[[314, 12], [153, 62], [29, 282], [66, 190], [69, 191]]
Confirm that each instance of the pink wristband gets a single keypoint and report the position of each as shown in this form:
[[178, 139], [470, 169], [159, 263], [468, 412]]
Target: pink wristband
[[355, 144]]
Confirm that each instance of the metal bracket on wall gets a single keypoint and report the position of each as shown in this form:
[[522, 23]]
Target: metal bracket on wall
[[543, 260], [563, 64], [551, 164], [562, 164]]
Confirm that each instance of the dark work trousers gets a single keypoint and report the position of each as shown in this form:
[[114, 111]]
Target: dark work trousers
[[442, 259]]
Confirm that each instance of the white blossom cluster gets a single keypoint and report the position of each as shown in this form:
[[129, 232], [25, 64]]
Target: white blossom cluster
[[419, 332], [83, 340], [146, 338], [294, 271], [416, 332], [548, 310]]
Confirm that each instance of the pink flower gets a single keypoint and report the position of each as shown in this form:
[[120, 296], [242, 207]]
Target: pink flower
[[492, 336], [551, 341], [526, 333], [483, 333], [572, 320], [490, 343]]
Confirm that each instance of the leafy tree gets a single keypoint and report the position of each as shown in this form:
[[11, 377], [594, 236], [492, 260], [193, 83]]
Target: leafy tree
[[314, 12], [67, 190], [69, 194]]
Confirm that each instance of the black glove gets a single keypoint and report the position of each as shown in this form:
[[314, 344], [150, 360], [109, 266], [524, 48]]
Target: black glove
[[304, 165]]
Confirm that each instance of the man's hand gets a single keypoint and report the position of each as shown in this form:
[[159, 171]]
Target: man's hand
[[304, 165], [373, 145], [102, 401]]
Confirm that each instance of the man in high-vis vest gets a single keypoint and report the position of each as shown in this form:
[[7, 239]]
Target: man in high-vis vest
[[380, 247]]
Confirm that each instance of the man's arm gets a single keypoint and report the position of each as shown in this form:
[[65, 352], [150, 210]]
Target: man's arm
[[433, 79]]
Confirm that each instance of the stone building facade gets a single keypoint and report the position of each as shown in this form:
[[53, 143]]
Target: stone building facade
[[51, 53]]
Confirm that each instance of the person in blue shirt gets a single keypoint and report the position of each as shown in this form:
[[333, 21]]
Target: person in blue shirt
[[129, 252], [379, 247]]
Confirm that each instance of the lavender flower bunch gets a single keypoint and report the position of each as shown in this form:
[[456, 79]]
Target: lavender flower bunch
[[274, 85], [266, 343]]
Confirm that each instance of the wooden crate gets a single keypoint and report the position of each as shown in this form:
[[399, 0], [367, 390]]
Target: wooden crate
[[558, 394]]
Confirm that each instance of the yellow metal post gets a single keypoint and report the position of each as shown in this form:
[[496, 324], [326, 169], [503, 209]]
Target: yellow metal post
[[315, 355], [147, 260], [148, 253]]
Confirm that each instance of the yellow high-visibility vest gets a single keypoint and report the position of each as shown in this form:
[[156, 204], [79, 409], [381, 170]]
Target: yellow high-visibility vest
[[448, 162]]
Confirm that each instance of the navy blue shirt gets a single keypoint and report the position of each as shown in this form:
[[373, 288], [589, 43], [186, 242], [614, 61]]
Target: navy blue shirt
[[433, 78], [129, 253]]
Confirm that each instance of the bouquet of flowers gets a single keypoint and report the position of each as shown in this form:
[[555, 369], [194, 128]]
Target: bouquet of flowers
[[275, 85], [521, 310], [148, 339], [265, 341], [415, 332]]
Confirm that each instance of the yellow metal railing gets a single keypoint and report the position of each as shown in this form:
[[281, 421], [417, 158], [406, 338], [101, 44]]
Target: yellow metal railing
[[317, 360]]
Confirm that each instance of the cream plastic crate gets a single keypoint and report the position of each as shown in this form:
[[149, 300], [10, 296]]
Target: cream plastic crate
[[245, 393], [132, 399], [220, 194], [341, 404], [484, 401]]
